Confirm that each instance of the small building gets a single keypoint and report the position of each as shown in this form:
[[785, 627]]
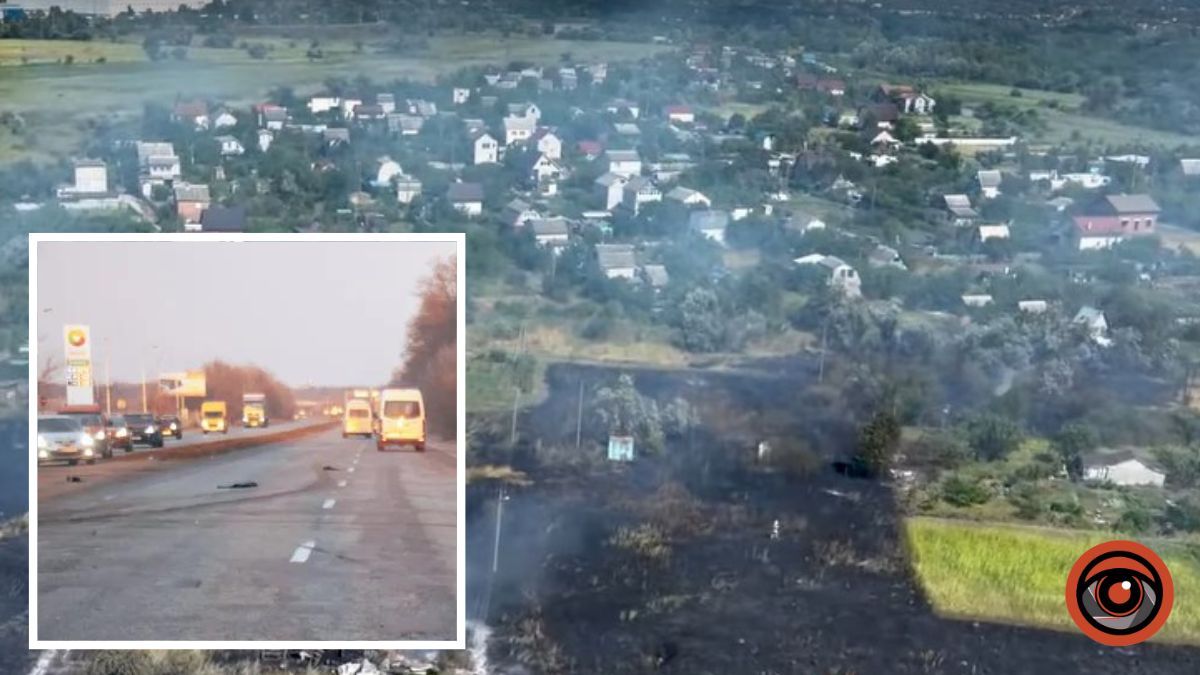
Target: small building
[[655, 276], [91, 177], [230, 146], [408, 188], [841, 276], [908, 99], [688, 197], [989, 183], [988, 232], [486, 148], [610, 190], [460, 95], [886, 256], [518, 213], [336, 135], [680, 114], [386, 102], [1122, 467], [625, 163], [265, 138], [518, 129], [1094, 322], [977, 299], [553, 233], [804, 222], [711, 223], [224, 119], [640, 190], [466, 198], [617, 261], [190, 203], [272, 117], [548, 143], [1033, 306], [386, 169], [223, 219], [403, 124]]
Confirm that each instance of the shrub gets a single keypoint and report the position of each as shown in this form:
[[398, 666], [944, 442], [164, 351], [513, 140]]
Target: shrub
[[110, 662], [993, 437], [962, 491]]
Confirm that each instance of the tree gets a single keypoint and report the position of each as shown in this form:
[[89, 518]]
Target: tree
[[620, 410], [877, 443], [431, 355], [993, 437], [1070, 443]]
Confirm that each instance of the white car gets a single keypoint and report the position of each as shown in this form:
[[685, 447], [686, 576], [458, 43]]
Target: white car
[[63, 438]]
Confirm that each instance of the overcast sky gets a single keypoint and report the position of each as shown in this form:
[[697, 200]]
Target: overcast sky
[[322, 313]]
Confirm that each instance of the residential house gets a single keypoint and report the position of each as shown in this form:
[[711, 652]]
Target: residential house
[[336, 135], [880, 115], [907, 99], [710, 223], [610, 189], [518, 213], [655, 276], [265, 138], [386, 102], [223, 219], [846, 119], [548, 143], [989, 183], [369, 113], [1190, 167], [148, 149], [1094, 322], [625, 163], [590, 149], [474, 125], [554, 233], [977, 300], [621, 106], [988, 232], [320, 104], [961, 214], [466, 198], [403, 124], [164, 168], [386, 169], [1114, 218], [460, 95], [804, 221], [543, 172], [194, 113], [831, 87], [517, 129], [841, 276], [348, 106], [1122, 467], [91, 178], [617, 261], [190, 203], [526, 110], [568, 77], [1033, 306], [640, 190], [885, 139], [680, 114], [1060, 204], [486, 148], [422, 107], [627, 129], [224, 119], [408, 188], [886, 256], [230, 146], [688, 197]]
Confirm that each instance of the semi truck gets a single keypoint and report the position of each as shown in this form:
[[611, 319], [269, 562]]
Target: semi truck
[[212, 417], [254, 410]]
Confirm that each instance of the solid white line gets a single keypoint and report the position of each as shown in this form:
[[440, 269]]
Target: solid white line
[[329, 503], [341, 483], [303, 551]]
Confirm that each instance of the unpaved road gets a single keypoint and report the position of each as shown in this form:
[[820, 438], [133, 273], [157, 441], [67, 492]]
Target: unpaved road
[[366, 552]]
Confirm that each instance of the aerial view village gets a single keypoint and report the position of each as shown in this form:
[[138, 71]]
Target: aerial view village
[[801, 337]]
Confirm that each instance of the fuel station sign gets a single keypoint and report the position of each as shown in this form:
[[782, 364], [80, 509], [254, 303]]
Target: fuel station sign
[[77, 348]]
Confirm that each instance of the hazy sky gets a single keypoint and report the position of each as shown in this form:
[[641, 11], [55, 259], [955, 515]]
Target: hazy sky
[[322, 313]]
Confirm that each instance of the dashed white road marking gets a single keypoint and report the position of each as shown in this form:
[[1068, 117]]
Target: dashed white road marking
[[303, 551], [341, 483], [329, 503], [350, 470]]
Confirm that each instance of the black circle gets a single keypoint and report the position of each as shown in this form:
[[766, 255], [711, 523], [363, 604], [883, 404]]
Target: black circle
[[1155, 583], [1115, 578]]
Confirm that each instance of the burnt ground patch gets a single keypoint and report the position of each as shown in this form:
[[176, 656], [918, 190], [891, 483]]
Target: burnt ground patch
[[15, 656], [670, 565]]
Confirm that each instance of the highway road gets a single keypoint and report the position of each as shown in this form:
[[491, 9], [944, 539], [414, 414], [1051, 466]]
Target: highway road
[[337, 542]]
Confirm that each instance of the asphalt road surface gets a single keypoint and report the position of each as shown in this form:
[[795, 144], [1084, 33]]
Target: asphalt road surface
[[364, 552]]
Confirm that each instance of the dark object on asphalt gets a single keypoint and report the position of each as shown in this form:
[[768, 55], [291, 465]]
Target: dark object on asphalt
[[330, 468], [238, 486], [665, 652], [851, 469], [74, 479]]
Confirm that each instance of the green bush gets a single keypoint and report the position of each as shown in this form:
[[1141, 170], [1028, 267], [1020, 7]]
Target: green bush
[[963, 491], [111, 662]]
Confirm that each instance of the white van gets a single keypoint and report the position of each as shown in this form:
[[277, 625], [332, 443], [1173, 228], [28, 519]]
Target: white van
[[401, 419]]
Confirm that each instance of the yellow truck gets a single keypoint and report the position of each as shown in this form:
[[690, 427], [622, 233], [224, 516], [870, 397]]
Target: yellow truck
[[254, 410], [212, 417]]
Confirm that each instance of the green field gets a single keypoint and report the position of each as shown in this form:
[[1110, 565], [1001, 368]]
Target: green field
[[1016, 574], [58, 101], [1066, 119]]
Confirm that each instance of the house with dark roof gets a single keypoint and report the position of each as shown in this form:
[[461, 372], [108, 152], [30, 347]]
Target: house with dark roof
[[223, 219], [1113, 219], [466, 198], [617, 261]]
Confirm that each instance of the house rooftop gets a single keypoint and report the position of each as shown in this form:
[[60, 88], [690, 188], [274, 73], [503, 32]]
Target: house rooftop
[[223, 219], [188, 192], [549, 226], [613, 256], [1140, 203], [708, 220], [465, 192]]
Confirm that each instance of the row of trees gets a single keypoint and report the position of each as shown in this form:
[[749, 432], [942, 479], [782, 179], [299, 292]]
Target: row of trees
[[431, 356]]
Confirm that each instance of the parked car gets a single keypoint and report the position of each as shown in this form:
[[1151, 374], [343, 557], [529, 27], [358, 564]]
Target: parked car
[[63, 438], [171, 426], [143, 428], [118, 433], [95, 426]]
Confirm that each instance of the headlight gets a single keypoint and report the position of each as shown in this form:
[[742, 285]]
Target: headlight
[[122, 432], [87, 452], [173, 427], [42, 441], [42, 454], [86, 441], [150, 429], [99, 435]]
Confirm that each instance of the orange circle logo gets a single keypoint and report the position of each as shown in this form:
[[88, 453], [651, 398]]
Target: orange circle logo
[[1119, 593], [76, 337]]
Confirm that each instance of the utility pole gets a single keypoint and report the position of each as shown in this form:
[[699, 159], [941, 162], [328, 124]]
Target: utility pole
[[579, 416], [107, 379], [512, 440], [145, 409], [501, 497], [824, 342]]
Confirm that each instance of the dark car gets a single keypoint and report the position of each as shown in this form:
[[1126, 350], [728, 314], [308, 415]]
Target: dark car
[[143, 428], [170, 426], [95, 425], [118, 433]]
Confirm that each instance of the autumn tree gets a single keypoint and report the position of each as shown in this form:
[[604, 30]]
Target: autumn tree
[[431, 355]]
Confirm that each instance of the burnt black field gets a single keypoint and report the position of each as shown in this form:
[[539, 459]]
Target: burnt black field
[[832, 594]]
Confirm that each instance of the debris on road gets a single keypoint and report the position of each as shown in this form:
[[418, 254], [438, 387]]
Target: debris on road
[[330, 468], [74, 479], [238, 486]]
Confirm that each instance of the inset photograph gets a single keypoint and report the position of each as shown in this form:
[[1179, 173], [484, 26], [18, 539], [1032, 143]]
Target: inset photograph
[[246, 439]]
